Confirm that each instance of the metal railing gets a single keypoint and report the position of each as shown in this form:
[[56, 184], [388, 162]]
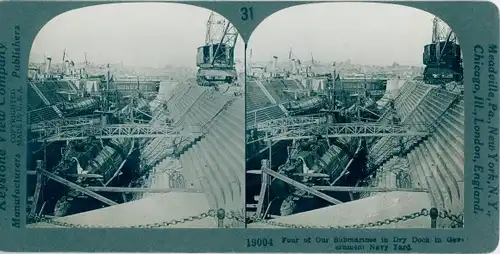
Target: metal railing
[[342, 130], [68, 133]]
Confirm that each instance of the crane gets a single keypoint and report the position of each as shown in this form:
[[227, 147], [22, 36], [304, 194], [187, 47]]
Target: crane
[[215, 59], [442, 58]]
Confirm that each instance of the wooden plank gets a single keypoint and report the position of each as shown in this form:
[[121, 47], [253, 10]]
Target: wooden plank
[[312, 175], [78, 187], [254, 172], [301, 186], [36, 196], [262, 194]]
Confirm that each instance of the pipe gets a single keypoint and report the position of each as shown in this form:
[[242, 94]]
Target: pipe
[[365, 189], [141, 190]]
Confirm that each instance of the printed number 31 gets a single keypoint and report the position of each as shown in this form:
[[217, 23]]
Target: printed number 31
[[246, 13]]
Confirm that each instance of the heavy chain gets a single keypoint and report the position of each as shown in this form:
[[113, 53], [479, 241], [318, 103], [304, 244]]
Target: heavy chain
[[423, 212], [213, 213], [232, 215], [457, 221]]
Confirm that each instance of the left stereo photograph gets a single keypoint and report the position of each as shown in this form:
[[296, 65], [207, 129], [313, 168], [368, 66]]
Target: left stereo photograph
[[136, 119]]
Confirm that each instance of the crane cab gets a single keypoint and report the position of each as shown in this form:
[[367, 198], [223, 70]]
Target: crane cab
[[215, 55], [443, 57], [216, 65], [215, 59]]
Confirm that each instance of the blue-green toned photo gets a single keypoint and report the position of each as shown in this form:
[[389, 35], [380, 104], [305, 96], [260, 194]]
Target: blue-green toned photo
[[357, 126], [249, 126], [135, 116]]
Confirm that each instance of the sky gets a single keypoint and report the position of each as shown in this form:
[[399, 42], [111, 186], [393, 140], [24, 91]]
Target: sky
[[157, 34], [143, 34], [366, 33]]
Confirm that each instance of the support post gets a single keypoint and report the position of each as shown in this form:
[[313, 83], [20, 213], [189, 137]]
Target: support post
[[263, 188], [221, 214], [433, 214], [270, 144], [38, 188]]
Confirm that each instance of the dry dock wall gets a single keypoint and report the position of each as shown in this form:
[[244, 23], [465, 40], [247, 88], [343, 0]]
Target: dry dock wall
[[434, 162], [214, 162]]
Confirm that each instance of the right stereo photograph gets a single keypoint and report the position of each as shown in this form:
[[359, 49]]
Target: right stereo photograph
[[354, 119]]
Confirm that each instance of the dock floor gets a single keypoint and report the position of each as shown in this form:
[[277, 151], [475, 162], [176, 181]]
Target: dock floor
[[154, 209], [372, 209]]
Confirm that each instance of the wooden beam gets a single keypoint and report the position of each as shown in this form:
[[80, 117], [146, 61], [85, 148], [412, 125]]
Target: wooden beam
[[78, 187], [254, 172], [140, 190], [312, 175], [262, 194], [301, 186], [38, 189], [365, 189]]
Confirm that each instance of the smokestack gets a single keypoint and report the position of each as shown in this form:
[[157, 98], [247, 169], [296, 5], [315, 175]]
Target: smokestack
[[295, 66], [275, 66], [47, 66]]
